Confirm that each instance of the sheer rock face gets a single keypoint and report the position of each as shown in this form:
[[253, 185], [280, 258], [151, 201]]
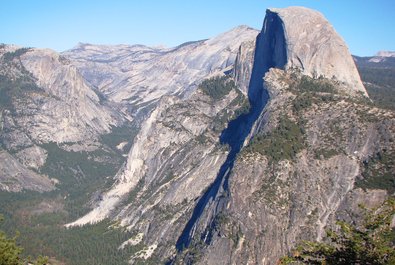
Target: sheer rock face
[[273, 205], [73, 112], [313, 46], [243, 65], [169, 166], [175, 158], [267, 206], [154, 76], [45, 100]]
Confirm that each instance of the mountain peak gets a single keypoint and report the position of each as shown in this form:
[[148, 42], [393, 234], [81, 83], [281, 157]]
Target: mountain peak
[[310, 43], [244, 32], [295, 11], [385, 54]]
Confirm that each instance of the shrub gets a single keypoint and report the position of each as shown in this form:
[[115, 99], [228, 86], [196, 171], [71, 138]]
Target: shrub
[[284, 142], [217, 87], [370, 243]]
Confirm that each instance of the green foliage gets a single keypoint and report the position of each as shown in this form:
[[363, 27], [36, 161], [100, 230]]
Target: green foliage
[[283, 142], [92, 244], [15, 80], [80, 173], [41, 261], [191, 255], [220, 220], [383, 77], [308, 84], [325, 153], [10, 88], [312, 91], [241, 104], [118, 135], [379, 79], [378, 172], [371, 243], [9, 56], [382, 97], [10, 252], [217, 87]]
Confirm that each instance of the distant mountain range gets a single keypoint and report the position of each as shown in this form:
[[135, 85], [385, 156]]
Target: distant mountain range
[[229, 150]]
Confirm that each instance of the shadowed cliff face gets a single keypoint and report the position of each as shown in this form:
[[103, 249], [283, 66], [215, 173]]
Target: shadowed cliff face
[[277, 200], [270, 52]]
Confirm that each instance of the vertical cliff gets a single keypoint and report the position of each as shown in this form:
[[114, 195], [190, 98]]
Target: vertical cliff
[[301, 166], [314, 47]]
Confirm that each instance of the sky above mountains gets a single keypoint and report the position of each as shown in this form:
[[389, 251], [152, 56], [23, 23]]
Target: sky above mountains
[[366, 26]]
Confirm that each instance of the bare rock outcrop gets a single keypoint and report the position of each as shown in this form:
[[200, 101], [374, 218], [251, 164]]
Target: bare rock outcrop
[[313, 46], [275, 202], [15, 177], [44, 99], [138, 75]]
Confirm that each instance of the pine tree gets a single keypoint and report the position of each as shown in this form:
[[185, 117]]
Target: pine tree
[[9, 251]]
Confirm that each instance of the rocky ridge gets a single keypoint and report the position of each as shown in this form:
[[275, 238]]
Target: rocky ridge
[[301, 166], [275, 202], [315, 48], [45, 100], [188, 132], [244, 148], [222, 216], [139, 75], [385, 54]]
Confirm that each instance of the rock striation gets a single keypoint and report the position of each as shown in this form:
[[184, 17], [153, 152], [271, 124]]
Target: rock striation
[[276, 200], [74, 109], [44, 99], [229, 202], [246, 143], [310, 43], [139, 75]]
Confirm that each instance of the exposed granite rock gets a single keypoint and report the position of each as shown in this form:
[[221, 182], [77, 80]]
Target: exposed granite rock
[[15, 177], [274, 205], [275, 202], [73, 112], [45, 99], [313, 46], [175, 158], [243, 65], [32, 157], [139, 75], [264, 203], [177, 144], [385, 54]]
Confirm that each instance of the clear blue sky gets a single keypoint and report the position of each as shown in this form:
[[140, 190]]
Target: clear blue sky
[[366, 25]]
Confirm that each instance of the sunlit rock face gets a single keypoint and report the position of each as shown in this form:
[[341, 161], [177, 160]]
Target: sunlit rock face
[[190, 189], [313, 46], [139, 75]]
